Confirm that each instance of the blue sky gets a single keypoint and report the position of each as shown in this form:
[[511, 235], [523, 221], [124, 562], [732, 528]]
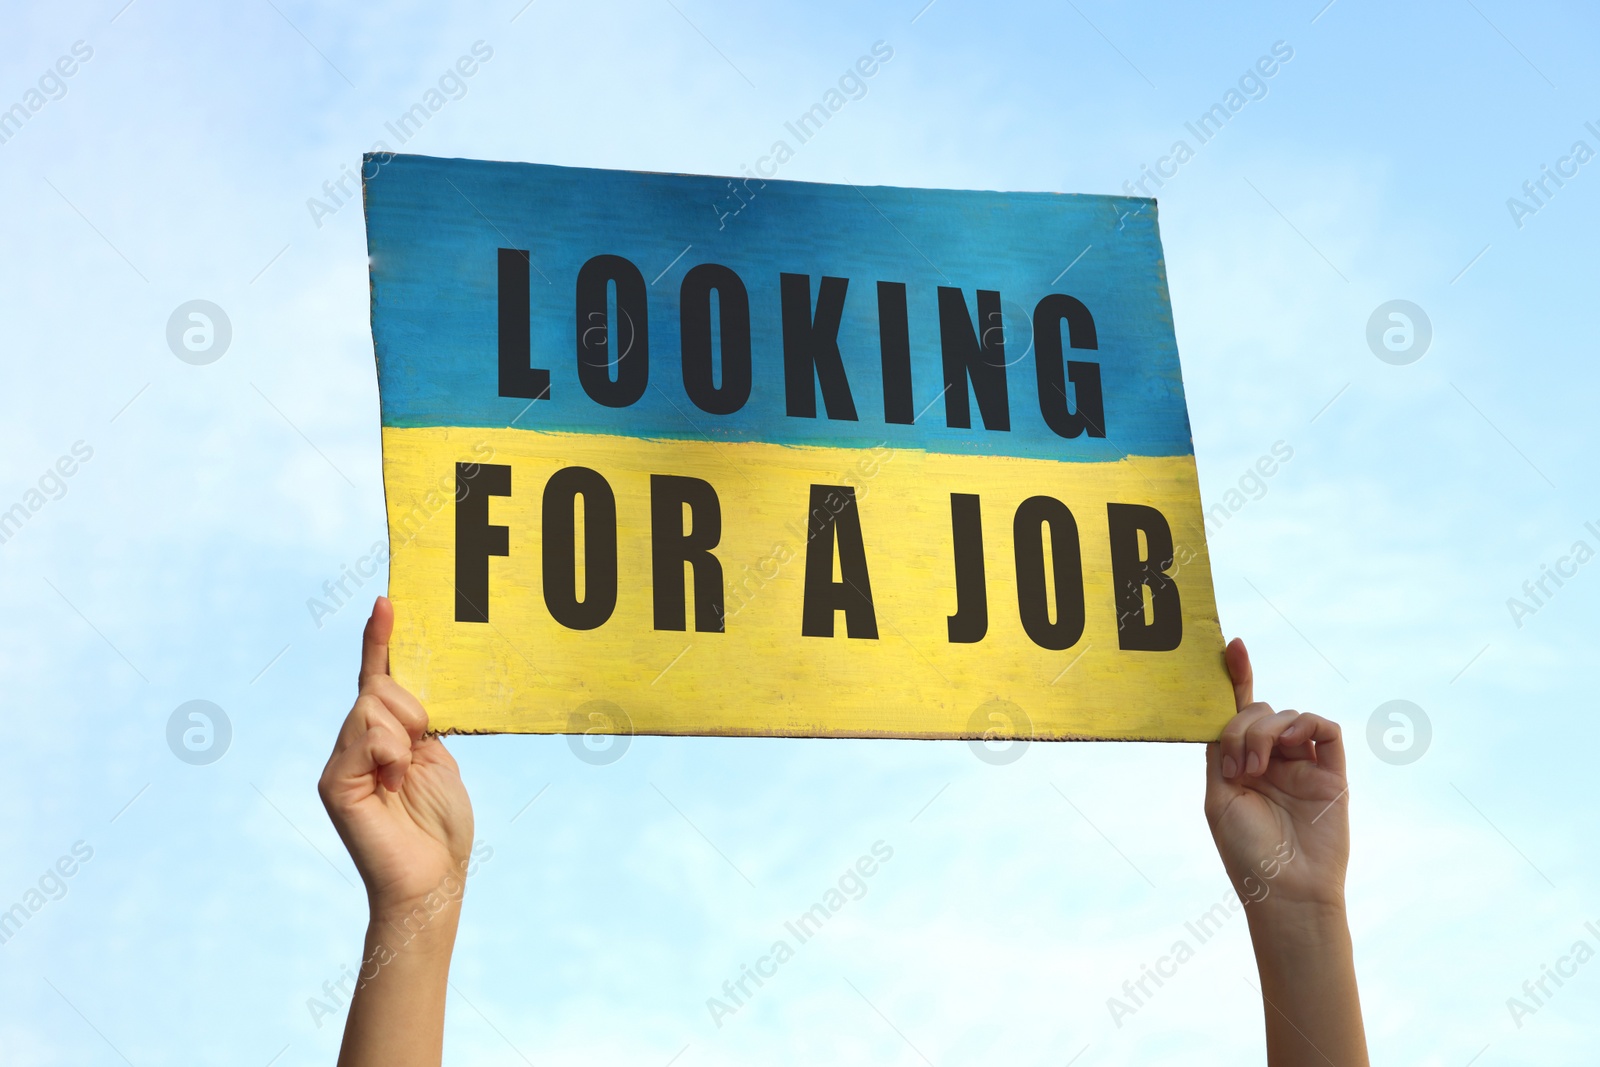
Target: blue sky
[[176, 163]]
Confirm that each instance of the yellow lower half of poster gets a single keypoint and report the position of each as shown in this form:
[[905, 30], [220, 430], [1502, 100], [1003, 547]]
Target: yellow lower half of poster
[[523, 671]]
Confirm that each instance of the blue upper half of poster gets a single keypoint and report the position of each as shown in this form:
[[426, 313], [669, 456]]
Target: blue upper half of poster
[[680, 306]]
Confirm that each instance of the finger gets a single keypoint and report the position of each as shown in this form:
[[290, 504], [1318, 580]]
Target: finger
[[390, 758], [1216, 791], [400, 702], [1232, 740], [1237, 658], [1260, 738], [369, 711], [1216, 785], [1293, 753], [1324, 734], [375, 640], [381, 754]]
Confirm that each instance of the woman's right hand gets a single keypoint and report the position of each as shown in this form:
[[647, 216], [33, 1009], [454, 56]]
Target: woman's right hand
[[394, 794]]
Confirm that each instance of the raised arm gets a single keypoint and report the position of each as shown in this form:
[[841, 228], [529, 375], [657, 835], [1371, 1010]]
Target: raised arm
[[399, 805], [1278, 804]]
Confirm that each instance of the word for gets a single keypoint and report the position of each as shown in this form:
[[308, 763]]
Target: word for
[[52, 486], [1252, 86], [452, 86], [1251, 482], [833, 532], [1566, 168], [399, 935], [1202, 929], [852, 86], [338, 592], [52, 86], [1566, 967], [52, 885], [852, 885], [1565, 568], [972, 353]]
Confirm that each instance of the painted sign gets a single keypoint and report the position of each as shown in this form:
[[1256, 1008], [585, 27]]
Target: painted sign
[[690, 455]]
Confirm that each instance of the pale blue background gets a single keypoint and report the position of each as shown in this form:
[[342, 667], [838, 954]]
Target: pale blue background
[[1376, 565]]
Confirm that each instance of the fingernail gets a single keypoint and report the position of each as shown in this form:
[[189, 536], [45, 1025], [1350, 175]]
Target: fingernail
[[1229, 767], [1253, 764]]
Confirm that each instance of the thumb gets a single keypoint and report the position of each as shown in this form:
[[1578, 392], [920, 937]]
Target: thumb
[[1239, 670], [375, 640]]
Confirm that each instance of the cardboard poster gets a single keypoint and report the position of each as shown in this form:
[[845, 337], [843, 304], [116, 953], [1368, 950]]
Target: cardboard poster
[[691, 455]]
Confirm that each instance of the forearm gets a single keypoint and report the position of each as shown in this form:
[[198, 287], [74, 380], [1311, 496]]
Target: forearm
[[1308, 985], [397, 1013]]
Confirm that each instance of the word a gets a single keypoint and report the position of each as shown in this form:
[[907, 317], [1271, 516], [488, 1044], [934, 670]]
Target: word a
[[52, 884], [452, 86], [53, 482], [387, 950], [52, 86], [1202, 929], [1580, 554], [851, 882], [754, 579], [1581, 953], [1252, 86], [1577, 156]]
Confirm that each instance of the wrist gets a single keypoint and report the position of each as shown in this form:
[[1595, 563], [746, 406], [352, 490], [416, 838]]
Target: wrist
[[413, 928], [1283, 930]]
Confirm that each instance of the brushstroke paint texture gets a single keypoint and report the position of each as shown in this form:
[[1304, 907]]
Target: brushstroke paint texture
[[434, 228]]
